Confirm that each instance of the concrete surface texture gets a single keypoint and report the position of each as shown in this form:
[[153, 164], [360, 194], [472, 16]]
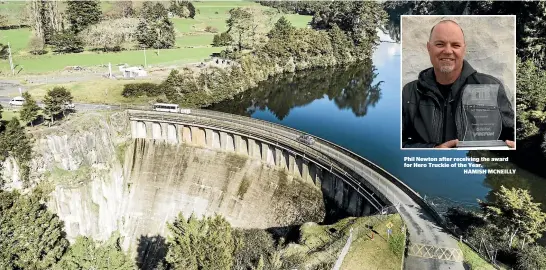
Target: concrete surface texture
[[490, 46]]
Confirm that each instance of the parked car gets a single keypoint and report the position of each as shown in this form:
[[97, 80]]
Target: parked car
[[69, 106], [17, 101], [307, 139]]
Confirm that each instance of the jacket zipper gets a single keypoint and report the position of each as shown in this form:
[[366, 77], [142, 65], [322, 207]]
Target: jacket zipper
[[442, 125]]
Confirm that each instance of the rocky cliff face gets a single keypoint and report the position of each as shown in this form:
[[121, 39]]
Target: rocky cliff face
[[102, 181]]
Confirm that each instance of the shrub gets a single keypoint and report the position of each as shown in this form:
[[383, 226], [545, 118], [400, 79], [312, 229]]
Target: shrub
[[67, 42], [223, 39], [36, 46], [211, 29], [141, 89]]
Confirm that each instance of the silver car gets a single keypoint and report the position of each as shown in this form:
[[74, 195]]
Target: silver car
[[307, 139]]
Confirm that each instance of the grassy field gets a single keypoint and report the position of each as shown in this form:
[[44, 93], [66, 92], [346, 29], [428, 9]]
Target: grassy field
[[366, 253], [192, 41], [473, 260], [104, 91], [323, 243]]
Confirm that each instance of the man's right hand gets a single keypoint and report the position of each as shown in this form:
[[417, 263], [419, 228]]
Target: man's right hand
[[448, 144]]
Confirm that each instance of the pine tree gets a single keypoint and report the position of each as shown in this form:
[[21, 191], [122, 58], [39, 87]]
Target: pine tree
[[82, 14], [30, 109], [31, 236]]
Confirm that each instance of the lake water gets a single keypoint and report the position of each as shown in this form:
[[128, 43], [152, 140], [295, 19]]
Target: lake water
[[359, 108]]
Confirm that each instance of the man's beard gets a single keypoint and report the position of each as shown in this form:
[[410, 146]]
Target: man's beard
[[447, 69]]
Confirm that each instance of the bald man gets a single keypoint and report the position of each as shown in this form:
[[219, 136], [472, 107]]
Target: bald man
[[431, 105]]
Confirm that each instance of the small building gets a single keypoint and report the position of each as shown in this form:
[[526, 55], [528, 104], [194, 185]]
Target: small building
[[132, 72]]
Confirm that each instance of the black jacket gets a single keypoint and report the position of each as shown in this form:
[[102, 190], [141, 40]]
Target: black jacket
[[424, 109]]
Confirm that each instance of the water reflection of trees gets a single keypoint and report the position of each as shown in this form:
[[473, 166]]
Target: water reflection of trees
[[522, 179], [351, 87]]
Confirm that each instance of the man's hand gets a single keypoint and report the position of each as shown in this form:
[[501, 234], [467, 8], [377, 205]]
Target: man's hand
[[511, 144], [448, 144]]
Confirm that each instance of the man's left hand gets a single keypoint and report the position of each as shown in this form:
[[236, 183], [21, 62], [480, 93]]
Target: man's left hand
[[511, 144]]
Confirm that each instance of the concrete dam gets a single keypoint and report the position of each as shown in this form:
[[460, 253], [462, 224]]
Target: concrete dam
[[134, 171]]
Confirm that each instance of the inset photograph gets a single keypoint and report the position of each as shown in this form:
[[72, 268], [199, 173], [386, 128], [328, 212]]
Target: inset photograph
[[458, 82]]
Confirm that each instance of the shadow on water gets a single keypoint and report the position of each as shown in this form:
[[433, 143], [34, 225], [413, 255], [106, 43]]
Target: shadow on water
[[350, 87], [151, 251]]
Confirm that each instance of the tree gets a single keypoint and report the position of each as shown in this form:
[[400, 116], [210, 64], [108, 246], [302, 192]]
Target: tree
[[155, 30], [183, 9], [67, 42], [82, 14], [32, 237], [14, 141], [86, 254], [123, 9], [533, 257], [223, 39], [55, 100], [110, 35], [30, 109], [514, 210], [358, 19], [239, 26], [282, 29], [200, 244]]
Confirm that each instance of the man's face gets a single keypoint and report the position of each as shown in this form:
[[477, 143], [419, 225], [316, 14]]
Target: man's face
[[446, 47]]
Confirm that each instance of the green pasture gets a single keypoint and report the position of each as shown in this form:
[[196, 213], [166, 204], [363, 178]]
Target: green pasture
[[193, 43]]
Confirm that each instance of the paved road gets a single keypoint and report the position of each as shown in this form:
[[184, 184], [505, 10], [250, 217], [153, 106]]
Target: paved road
[[78, 106]]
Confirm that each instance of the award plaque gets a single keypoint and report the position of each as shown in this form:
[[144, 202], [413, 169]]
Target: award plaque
[[482, 117]]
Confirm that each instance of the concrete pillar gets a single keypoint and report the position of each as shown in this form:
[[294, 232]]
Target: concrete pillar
[[230, 143], [156, 131], [319, 175], [338, 191], [209, 137], [216, 139], [172, 134], [291, 163], [263, 151], [298, 169], [133, 129], [164, 134], [242, 146], [149, 130], [305, 169], [180, 133], [223, 140], [278, 158], [198, 136], [366, 209], [355, 201], [187, 134], [237, 143]]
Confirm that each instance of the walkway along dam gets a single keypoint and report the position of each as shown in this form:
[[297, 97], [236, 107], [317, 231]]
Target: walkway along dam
[[355, 184]]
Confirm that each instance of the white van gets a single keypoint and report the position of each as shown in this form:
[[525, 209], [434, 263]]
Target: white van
[[17, 101]]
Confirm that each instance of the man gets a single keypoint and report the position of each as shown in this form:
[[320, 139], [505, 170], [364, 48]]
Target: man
[[430, 113]]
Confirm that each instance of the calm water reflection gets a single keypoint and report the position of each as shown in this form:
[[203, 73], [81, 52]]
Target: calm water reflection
[[358, 107]]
